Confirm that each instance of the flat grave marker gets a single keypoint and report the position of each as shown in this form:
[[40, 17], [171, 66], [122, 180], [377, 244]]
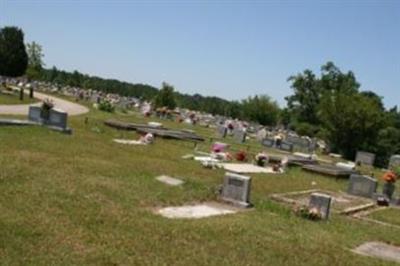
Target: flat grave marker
[[379, 250], [169, 180]]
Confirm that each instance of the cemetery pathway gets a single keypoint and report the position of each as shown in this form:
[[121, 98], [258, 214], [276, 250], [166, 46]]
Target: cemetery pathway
[[23, 109]]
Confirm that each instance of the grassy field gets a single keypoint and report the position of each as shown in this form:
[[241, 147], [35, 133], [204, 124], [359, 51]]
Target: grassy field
[[81, 199], [390, 215], [14, 99]]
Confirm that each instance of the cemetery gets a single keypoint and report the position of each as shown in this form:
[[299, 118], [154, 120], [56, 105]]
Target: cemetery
[[164, 187]]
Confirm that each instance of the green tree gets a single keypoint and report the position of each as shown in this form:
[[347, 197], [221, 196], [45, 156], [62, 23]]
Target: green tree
[[35, 60], [352, 121], [261, 109], [307, 94], [13, 56], [165, 97]]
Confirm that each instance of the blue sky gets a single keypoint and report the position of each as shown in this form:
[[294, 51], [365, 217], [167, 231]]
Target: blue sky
[[230, 49]]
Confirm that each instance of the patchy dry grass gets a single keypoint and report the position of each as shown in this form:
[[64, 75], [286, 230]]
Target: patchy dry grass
[[82, 199]]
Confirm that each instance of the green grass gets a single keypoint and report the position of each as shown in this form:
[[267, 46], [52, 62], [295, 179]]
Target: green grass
[[389, 215], [81, 199], [14, 99]]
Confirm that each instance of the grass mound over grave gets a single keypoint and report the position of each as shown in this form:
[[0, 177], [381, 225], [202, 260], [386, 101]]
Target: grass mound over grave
[[9, 99], [388, 215], [82, 199]]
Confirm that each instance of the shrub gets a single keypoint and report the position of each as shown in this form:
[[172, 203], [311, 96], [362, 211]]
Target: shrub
[[106, 106]]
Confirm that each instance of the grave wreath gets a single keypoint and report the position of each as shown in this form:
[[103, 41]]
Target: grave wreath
[[47, 105]]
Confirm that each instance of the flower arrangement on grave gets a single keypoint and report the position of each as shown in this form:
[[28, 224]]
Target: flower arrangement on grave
[[261, 159], [47, 105], [308, 213], [241, 156], [390, 178]]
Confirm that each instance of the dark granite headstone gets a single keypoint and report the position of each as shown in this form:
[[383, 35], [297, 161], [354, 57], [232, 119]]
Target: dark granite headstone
[[58, 118], [35, 114]]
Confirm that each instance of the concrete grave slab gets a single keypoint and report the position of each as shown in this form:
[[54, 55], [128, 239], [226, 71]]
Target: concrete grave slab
[[379, 250], [128, 142], [196, 211], [169, 180], [246, 168]]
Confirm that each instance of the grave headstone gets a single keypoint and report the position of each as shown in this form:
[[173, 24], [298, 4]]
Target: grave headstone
[[286, 146], [221, 131], [322, 203], [365, 158], [363, 186], [236, 189], [58, 118], [239, 136], [34, 114], [268, 142], [394, 161]]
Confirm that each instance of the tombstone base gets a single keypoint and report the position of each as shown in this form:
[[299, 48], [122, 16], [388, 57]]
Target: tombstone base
[[240, 204]]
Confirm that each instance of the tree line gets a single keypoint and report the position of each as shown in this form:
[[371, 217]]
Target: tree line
[[330, 106]]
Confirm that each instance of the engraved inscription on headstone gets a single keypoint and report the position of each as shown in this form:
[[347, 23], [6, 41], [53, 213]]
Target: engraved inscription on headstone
[[360, 185], [322, 203], [236, 189], [365, 158]]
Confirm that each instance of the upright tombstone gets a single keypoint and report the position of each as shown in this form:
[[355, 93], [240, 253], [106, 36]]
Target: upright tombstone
[[286, 146], [239, 135], [34, 114], [236, 189], [322, 203], [58, 118], [365, 158], [363, 186], [221, 131], [267, 142], [394, 161]]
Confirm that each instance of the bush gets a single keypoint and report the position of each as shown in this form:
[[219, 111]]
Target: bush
[[106, 106], [306, 129]]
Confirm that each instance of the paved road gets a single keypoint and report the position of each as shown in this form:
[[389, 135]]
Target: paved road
[[22, 109]]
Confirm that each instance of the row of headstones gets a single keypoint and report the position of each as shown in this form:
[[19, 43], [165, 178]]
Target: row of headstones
[[56, 118], [236, 189], [359, 185], [238, 134], [283, 145]]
